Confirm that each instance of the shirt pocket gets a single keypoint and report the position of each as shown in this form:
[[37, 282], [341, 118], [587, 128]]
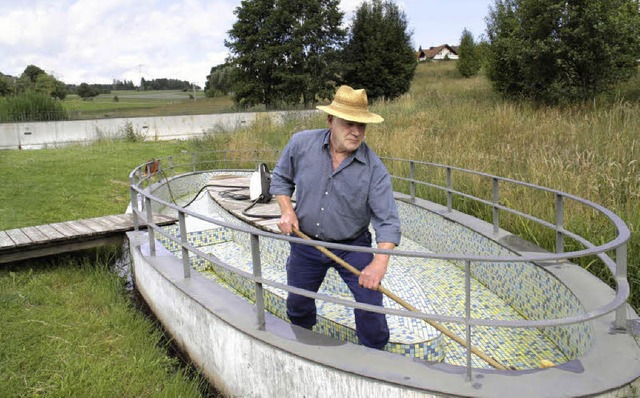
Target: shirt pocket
[[351, 197]]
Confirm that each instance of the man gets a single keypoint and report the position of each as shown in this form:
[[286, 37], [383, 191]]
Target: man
[[341, 187]]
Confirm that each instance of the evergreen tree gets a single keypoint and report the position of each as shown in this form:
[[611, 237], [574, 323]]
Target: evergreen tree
[[468, 60], [282, 50], [557, 51], [312, 53], [379, 55]]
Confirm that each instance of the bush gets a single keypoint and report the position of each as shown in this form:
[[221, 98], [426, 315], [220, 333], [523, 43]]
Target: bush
[[468, 62], [31, 107]]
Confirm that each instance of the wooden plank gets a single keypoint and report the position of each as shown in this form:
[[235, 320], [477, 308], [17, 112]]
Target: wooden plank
[[50, 232], [95, 226], [101, 221], [5, 241], [18, 237], [60, 247], [35, 235], [82, 230], [45, 240], [236, 207], [118, 223], [64, 229]]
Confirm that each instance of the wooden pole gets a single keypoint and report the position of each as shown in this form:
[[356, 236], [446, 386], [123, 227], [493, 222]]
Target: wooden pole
[[408, 306]]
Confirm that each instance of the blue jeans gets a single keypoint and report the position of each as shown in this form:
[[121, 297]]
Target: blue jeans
[[307, 268]]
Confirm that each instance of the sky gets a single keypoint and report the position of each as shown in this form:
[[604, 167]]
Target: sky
[[97, 41]]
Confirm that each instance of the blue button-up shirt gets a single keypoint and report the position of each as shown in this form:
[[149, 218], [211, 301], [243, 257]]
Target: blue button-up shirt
[[336, 205]]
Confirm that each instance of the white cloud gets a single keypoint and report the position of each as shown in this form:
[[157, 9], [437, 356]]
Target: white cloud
[[99, 40], [96, 40]]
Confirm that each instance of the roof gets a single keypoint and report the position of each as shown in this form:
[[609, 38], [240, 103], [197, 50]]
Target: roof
[[433, 51]]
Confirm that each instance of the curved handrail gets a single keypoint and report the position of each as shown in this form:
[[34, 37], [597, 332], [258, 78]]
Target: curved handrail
[[139, 189]]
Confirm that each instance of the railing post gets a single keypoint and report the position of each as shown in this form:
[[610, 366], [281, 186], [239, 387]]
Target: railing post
[[496, 211], [134, 206], [186, 267], [467, 313], [150, 232], [257, 272], [412, 175], [194, 160], [170, 166], [559, 223], [621, 274], [449, 188]]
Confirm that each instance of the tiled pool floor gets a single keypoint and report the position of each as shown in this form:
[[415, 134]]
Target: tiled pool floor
[[433, 286]]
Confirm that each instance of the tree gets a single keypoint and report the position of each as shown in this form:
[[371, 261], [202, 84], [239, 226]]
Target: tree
[[219, 81], [379, 55], [557, 51], [31, 72], [6, 85], [468, 60], [49, 85], [312, 53], [86, 91], [282, 49]]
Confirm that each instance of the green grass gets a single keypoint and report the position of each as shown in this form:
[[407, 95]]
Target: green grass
[[69, 329], [145, 103], [53, 185]]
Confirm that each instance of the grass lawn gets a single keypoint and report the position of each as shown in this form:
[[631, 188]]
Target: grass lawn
[[131, 103]]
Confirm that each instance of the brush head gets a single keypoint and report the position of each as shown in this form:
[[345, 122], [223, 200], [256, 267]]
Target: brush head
[[545, 363]]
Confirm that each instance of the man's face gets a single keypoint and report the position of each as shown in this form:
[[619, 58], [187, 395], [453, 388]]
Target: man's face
[[346, 136]]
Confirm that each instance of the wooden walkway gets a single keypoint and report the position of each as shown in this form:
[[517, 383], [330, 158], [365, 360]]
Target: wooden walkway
[[45, 240]]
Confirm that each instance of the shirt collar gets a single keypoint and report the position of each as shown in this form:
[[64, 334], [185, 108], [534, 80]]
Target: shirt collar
[[360, 152]]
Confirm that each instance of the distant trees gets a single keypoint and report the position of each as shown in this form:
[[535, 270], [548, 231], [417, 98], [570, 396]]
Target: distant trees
[[284, 51], [557, 51], [122, 85], [220, 80], [32, 79], [379, 55], [85, 91], [468, 58], [165, 84]]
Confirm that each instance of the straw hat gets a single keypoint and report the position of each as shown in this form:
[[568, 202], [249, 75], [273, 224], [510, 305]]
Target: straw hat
[[351, 105]]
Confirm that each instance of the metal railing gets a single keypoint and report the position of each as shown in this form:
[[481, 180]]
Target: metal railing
[[141, 180]]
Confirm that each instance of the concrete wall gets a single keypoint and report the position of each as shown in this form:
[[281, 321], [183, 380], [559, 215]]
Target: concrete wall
[[38, 135], [219, 333]]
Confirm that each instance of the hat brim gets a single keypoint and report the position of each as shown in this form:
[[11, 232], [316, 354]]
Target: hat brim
[[359, 117]]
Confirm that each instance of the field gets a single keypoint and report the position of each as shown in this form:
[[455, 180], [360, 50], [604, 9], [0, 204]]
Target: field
[[591, 150], [132, 103]]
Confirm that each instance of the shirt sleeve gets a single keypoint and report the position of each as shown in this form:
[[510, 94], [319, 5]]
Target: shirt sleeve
[[282, 175], [384, 212]]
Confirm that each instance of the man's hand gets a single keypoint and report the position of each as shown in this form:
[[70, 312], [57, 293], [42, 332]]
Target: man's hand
[[288, 220], [373, 273]]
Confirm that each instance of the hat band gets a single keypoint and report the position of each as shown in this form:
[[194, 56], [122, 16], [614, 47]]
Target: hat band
[[349, 108]]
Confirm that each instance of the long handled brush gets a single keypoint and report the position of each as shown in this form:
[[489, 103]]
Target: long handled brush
[[408, 306]]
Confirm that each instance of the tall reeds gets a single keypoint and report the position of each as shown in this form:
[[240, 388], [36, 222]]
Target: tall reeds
[[31, 107]]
